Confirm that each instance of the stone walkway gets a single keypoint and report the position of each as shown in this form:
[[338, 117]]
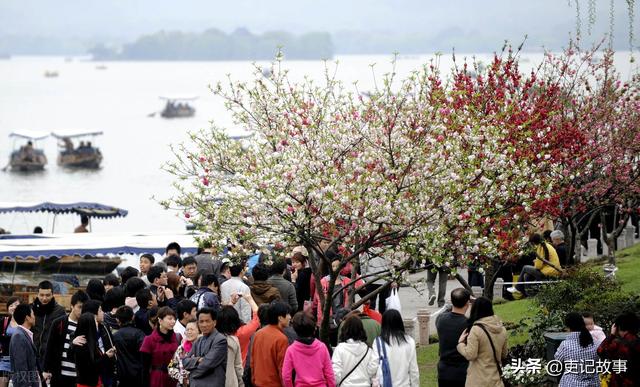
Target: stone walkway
[[414, 299]]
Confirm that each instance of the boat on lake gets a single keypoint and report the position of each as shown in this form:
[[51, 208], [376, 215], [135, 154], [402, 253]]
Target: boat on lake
[[51, 74], [84, 155], [178, 106], [28, 157]]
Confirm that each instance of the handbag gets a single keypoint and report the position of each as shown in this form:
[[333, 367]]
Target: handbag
[[505, 382], [393, 301], [354, 368], [384, 370]]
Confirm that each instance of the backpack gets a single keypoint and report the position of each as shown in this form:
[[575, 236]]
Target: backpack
[[198, 299], [384, 370]]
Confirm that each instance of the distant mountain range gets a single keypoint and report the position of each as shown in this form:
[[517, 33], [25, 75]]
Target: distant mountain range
[[214, 44]]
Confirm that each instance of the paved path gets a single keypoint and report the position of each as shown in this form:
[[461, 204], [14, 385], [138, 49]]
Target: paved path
[[413, 299]]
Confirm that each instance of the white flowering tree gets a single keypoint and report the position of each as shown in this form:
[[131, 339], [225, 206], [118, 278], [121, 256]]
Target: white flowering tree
[[415, 170]]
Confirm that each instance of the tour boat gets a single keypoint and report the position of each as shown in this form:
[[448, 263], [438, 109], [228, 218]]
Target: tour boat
[[84, 155], [178, 106], [27, 158]]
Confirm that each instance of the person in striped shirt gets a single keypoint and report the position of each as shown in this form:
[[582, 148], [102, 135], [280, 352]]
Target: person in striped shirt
[[59, 366]]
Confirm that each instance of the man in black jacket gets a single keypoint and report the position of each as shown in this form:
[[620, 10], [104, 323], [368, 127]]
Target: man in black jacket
[[59, 365], [452, 367], [46, 310], [127, 341]]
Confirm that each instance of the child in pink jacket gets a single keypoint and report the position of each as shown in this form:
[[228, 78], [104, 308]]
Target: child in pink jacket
[[308, 357]]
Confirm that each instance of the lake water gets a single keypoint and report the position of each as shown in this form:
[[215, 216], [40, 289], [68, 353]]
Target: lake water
[[118, 101]]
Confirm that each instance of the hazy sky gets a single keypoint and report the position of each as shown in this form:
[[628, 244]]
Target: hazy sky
[[124, 20]]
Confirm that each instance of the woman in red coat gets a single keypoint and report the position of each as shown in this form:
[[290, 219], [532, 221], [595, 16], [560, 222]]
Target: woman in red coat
[[157, 350]]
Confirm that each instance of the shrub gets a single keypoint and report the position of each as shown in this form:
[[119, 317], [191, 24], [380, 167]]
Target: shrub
[[607, 306], [534, 328], [579, 284], [583, 290]]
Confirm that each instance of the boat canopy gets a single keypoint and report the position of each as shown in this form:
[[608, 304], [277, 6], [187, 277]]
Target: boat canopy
[[29, 135], [61, 134], [59, 245], [179, 97], [92, 210]]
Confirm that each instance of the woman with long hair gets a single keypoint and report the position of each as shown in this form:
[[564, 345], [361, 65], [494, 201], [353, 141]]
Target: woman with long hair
[[398, 349], [228, 323], [354, 363], [158, 349], [173, 283], [8, 325], [484, 345], [578, 347], [90, 361]]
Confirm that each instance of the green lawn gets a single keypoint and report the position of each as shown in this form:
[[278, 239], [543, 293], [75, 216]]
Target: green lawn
[[628, 269], [512, 312]]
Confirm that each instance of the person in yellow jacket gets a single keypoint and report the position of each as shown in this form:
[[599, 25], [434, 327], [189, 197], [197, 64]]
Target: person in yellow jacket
[[546, 265]]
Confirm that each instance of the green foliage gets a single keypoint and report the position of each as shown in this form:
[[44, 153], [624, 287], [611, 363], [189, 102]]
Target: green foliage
[[584, 290], [534, 328], [608, 305], [580, 283]]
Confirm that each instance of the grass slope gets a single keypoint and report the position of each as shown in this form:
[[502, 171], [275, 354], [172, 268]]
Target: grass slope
[[512, 312]]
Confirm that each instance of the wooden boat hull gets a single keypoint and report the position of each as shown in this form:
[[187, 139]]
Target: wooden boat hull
[[27, 167], [67, 264], [182, 113], [75, 160], [20, 162]]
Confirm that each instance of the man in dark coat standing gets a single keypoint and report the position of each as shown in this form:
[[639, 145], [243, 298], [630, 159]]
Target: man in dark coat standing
[[128, 340], [24, 360], [286, 288], [207, 360], [46, 310], [59, 364]]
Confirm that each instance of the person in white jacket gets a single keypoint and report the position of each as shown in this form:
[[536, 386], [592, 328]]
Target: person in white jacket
[[400, 349], [354, 363]]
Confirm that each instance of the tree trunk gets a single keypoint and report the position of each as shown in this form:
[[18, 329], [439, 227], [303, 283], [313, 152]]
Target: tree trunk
[[490, 277], [326, 308], [571, 236], [615, 233]]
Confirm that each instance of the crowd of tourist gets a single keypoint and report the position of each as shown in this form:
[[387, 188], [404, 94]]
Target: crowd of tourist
[[205, 321]]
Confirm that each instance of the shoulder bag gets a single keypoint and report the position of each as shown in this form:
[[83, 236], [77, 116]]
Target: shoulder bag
[[354, 368], [505, 382]]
